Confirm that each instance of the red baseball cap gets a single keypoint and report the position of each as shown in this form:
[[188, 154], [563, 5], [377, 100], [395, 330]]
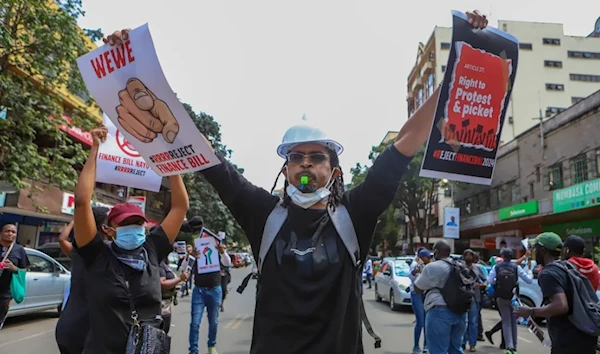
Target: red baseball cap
[[123, 211]]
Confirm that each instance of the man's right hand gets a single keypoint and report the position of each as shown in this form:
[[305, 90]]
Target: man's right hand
[[184, 276]]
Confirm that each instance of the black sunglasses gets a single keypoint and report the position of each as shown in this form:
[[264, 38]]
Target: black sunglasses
[[298, 157]]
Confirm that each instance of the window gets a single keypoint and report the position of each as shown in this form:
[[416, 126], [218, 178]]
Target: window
[[576, 99], [551, 41], [431, 56], [448, 191], [445, 45], [583, 55], [553, 64], [555, 177], [430, 85], [527, 46], [555, 87], [531, 190], [39, 265], [584, 77], [500, 196], [484, 201], [514, 192], [537, 174], [598, 162], [579, 168], [550, 111], [443, 68], [420, 98]]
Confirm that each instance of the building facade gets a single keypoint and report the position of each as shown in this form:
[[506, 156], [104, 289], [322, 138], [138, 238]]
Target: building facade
[[555, 71], [547, 179]]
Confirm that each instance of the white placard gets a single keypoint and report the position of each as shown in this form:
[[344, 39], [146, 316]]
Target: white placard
[[208, 254], [120, 164], [452, 223], [180, 247], [129, 85], [138, 200]]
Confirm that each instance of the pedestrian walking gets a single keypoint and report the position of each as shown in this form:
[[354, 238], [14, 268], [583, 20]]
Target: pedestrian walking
[[505, 276], [423, 258], [472, 329], [369, 271], [13, 259]]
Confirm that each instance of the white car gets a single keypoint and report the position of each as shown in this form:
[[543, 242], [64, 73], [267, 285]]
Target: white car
[[392, 283], [47, 281]]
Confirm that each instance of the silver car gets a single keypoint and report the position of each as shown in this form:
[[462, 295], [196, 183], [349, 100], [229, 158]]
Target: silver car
[[392, 283], [47, 281]]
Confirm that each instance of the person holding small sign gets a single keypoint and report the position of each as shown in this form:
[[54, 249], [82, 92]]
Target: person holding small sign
[[122, 277]]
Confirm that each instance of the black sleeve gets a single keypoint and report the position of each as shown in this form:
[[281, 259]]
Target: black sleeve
[[552, 282], [159, 242], [23, 260], [91, 251], [375, 194], [249, 204]]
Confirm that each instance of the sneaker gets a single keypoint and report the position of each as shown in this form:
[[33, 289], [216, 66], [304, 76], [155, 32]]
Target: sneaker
[[488, 335], [417, 350], [212, 350], [472, 349], [425, 350]]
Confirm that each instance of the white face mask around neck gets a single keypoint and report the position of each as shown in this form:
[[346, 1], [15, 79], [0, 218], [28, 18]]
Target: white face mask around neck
[[307, 200]]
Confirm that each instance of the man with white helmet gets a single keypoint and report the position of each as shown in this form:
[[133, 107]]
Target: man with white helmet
[[310, 244]]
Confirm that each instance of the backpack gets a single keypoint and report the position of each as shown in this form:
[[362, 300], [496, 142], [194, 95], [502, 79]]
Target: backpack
[[585, 311], [345, 229], [506, 280], [459, 288]]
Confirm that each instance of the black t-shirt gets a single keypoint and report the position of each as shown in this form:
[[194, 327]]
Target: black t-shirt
[[566, 338], [18, 257], [74, 323], [166, 272], [110, 314], [307, 305]]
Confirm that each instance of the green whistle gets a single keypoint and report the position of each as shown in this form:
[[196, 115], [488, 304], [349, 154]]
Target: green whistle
[[304, 180]]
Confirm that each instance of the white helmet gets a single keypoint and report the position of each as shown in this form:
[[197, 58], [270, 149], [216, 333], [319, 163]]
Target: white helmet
[[300, 134]]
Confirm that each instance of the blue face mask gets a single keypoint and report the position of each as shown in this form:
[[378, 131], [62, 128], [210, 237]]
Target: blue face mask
[[130, 237]]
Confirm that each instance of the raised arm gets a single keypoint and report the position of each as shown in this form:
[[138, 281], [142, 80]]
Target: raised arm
[[65, 246], [85, 225], [179, 207]]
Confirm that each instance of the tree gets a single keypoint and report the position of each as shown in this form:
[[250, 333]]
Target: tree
[[416, 198], [39, 44], [204, 199]]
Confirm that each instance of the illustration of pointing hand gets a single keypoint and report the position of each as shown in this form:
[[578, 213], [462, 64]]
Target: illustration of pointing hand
[[143, 115]]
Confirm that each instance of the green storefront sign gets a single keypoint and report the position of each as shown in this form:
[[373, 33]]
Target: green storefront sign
[[585, 228], [579, 196], [519, 210]]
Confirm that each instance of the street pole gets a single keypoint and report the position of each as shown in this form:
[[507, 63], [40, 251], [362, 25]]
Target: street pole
[[542, 142]]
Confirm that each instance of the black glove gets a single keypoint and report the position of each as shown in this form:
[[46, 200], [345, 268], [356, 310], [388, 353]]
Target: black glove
[[195, 224]]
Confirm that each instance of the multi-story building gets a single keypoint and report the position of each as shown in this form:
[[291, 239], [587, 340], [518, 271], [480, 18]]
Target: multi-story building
[[41, 219], [546, 179], [554, 71]]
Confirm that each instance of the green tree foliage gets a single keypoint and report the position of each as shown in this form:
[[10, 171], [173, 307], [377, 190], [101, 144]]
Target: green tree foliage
[[204, 200], [39, 44], [416, 199]]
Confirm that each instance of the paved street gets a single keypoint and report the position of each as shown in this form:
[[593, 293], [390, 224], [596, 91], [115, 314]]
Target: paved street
[[35, 334]]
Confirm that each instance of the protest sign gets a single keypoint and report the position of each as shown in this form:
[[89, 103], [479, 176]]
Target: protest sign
[[129, 85], [208, 254], [138, 200], [471, 107], [120, 164]]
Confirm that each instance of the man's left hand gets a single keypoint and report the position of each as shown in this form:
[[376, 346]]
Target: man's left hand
[[221, 248], [477, 19], [523, 311], [10, 266]]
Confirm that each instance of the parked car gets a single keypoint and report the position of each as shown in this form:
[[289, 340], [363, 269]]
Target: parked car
[[173, 261], [53, 250], [47, 281], [392, 283]]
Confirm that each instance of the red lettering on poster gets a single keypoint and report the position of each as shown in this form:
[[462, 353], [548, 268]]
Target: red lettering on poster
[[112, 59], [476, 99]]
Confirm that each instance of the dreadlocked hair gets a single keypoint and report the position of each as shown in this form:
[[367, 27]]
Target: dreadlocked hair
[[337, 188], [100, 214]]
